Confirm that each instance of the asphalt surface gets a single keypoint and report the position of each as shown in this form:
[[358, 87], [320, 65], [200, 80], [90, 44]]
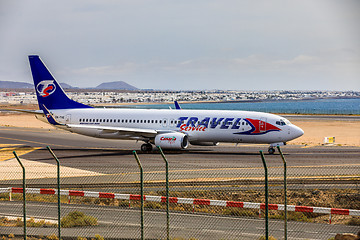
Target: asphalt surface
[[113, 164], [124, 223]]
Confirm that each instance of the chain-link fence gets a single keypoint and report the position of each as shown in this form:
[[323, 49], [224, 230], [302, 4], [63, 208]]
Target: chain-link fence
[[212, 199]]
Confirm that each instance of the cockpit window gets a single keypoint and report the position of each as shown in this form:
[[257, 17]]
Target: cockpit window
[[282, 122]]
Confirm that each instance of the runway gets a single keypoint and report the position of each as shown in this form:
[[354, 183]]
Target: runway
[[185, 226], [91, 161]]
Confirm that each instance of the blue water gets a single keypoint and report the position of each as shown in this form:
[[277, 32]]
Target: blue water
[[321, 106]]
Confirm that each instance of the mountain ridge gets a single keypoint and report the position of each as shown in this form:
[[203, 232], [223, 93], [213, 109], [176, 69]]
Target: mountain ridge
[[116, 85]]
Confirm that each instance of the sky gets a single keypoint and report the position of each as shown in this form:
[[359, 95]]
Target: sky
[[186, 45]]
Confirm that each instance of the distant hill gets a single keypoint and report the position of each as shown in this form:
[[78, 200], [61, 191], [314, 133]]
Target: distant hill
[[65, 86], [11, 84], [118, 85]]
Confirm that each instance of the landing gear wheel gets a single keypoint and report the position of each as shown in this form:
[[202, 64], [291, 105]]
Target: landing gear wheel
[[146, 147], [271, 150]]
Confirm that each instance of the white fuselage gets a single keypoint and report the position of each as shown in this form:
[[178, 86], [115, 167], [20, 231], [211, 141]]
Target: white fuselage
[[198, 125]]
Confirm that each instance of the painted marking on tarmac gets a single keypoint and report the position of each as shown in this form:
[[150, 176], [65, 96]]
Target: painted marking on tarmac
[[6, 153], [60, 145], [9, 145]]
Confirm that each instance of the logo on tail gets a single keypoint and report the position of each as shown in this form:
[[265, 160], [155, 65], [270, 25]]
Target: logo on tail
[[46, 88]]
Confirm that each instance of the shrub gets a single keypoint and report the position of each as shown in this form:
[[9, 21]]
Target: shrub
[[98, 237], [78, 219], [270, 238], [52, 237], [354, 222]]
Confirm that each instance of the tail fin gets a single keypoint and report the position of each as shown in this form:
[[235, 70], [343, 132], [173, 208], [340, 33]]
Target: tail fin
[[48, 91]]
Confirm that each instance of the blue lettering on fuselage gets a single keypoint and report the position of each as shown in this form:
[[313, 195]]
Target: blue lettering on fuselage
[[227, 123], [205, 122], [214, 123], [224, 123], [182, 120], [236, 124], [192, 122]]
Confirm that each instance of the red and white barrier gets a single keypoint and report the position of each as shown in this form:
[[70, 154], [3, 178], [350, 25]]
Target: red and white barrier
[[208, 202]]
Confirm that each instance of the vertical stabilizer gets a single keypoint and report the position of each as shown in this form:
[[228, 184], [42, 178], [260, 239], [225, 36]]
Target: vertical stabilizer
[[48, 91]]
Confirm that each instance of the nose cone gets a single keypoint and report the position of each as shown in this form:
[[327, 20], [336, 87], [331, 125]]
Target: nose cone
[[296, 132]]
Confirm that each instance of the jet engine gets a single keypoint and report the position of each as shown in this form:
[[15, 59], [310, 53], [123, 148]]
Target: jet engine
[[172, 140]]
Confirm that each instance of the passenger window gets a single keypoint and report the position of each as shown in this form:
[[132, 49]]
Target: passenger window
[[155, 121], [152, 121]]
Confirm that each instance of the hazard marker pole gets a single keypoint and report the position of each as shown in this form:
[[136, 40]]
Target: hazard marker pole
[[58, 190], [141, 193], [24, 192], [285, 193], [266, 197], [167, 193]]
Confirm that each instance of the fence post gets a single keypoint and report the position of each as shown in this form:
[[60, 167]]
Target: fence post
[[167, 194], [24, 192], [10, 191], [141, 193], [285, 192], [58, 189], [266, 197]]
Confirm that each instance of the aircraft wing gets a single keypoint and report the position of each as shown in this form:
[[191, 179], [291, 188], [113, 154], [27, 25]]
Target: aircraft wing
[[124, 131], [136, 132]]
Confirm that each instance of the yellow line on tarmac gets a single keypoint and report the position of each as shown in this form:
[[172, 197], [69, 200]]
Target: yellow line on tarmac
[[9, 145], [59, 145], [7, 153]]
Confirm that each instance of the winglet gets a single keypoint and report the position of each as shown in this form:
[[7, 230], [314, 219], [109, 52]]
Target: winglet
[[177, 105], [51, 119]]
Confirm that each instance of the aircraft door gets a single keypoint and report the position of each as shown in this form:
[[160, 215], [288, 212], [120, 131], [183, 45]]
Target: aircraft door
[[68, 119], [262, 125]]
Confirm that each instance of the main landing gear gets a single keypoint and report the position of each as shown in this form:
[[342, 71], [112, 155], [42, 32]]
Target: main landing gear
[[146, 147], [271, 150]]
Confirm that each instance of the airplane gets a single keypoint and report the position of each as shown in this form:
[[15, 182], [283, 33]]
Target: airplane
[[167, 128]]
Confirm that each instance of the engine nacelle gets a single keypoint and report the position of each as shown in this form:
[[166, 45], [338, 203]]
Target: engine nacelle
[[172, 140]]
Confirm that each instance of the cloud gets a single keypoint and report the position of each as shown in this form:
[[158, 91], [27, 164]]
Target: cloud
[[162, 44]]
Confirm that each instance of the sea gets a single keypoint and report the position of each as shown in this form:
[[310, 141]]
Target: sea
[[317, 106]]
